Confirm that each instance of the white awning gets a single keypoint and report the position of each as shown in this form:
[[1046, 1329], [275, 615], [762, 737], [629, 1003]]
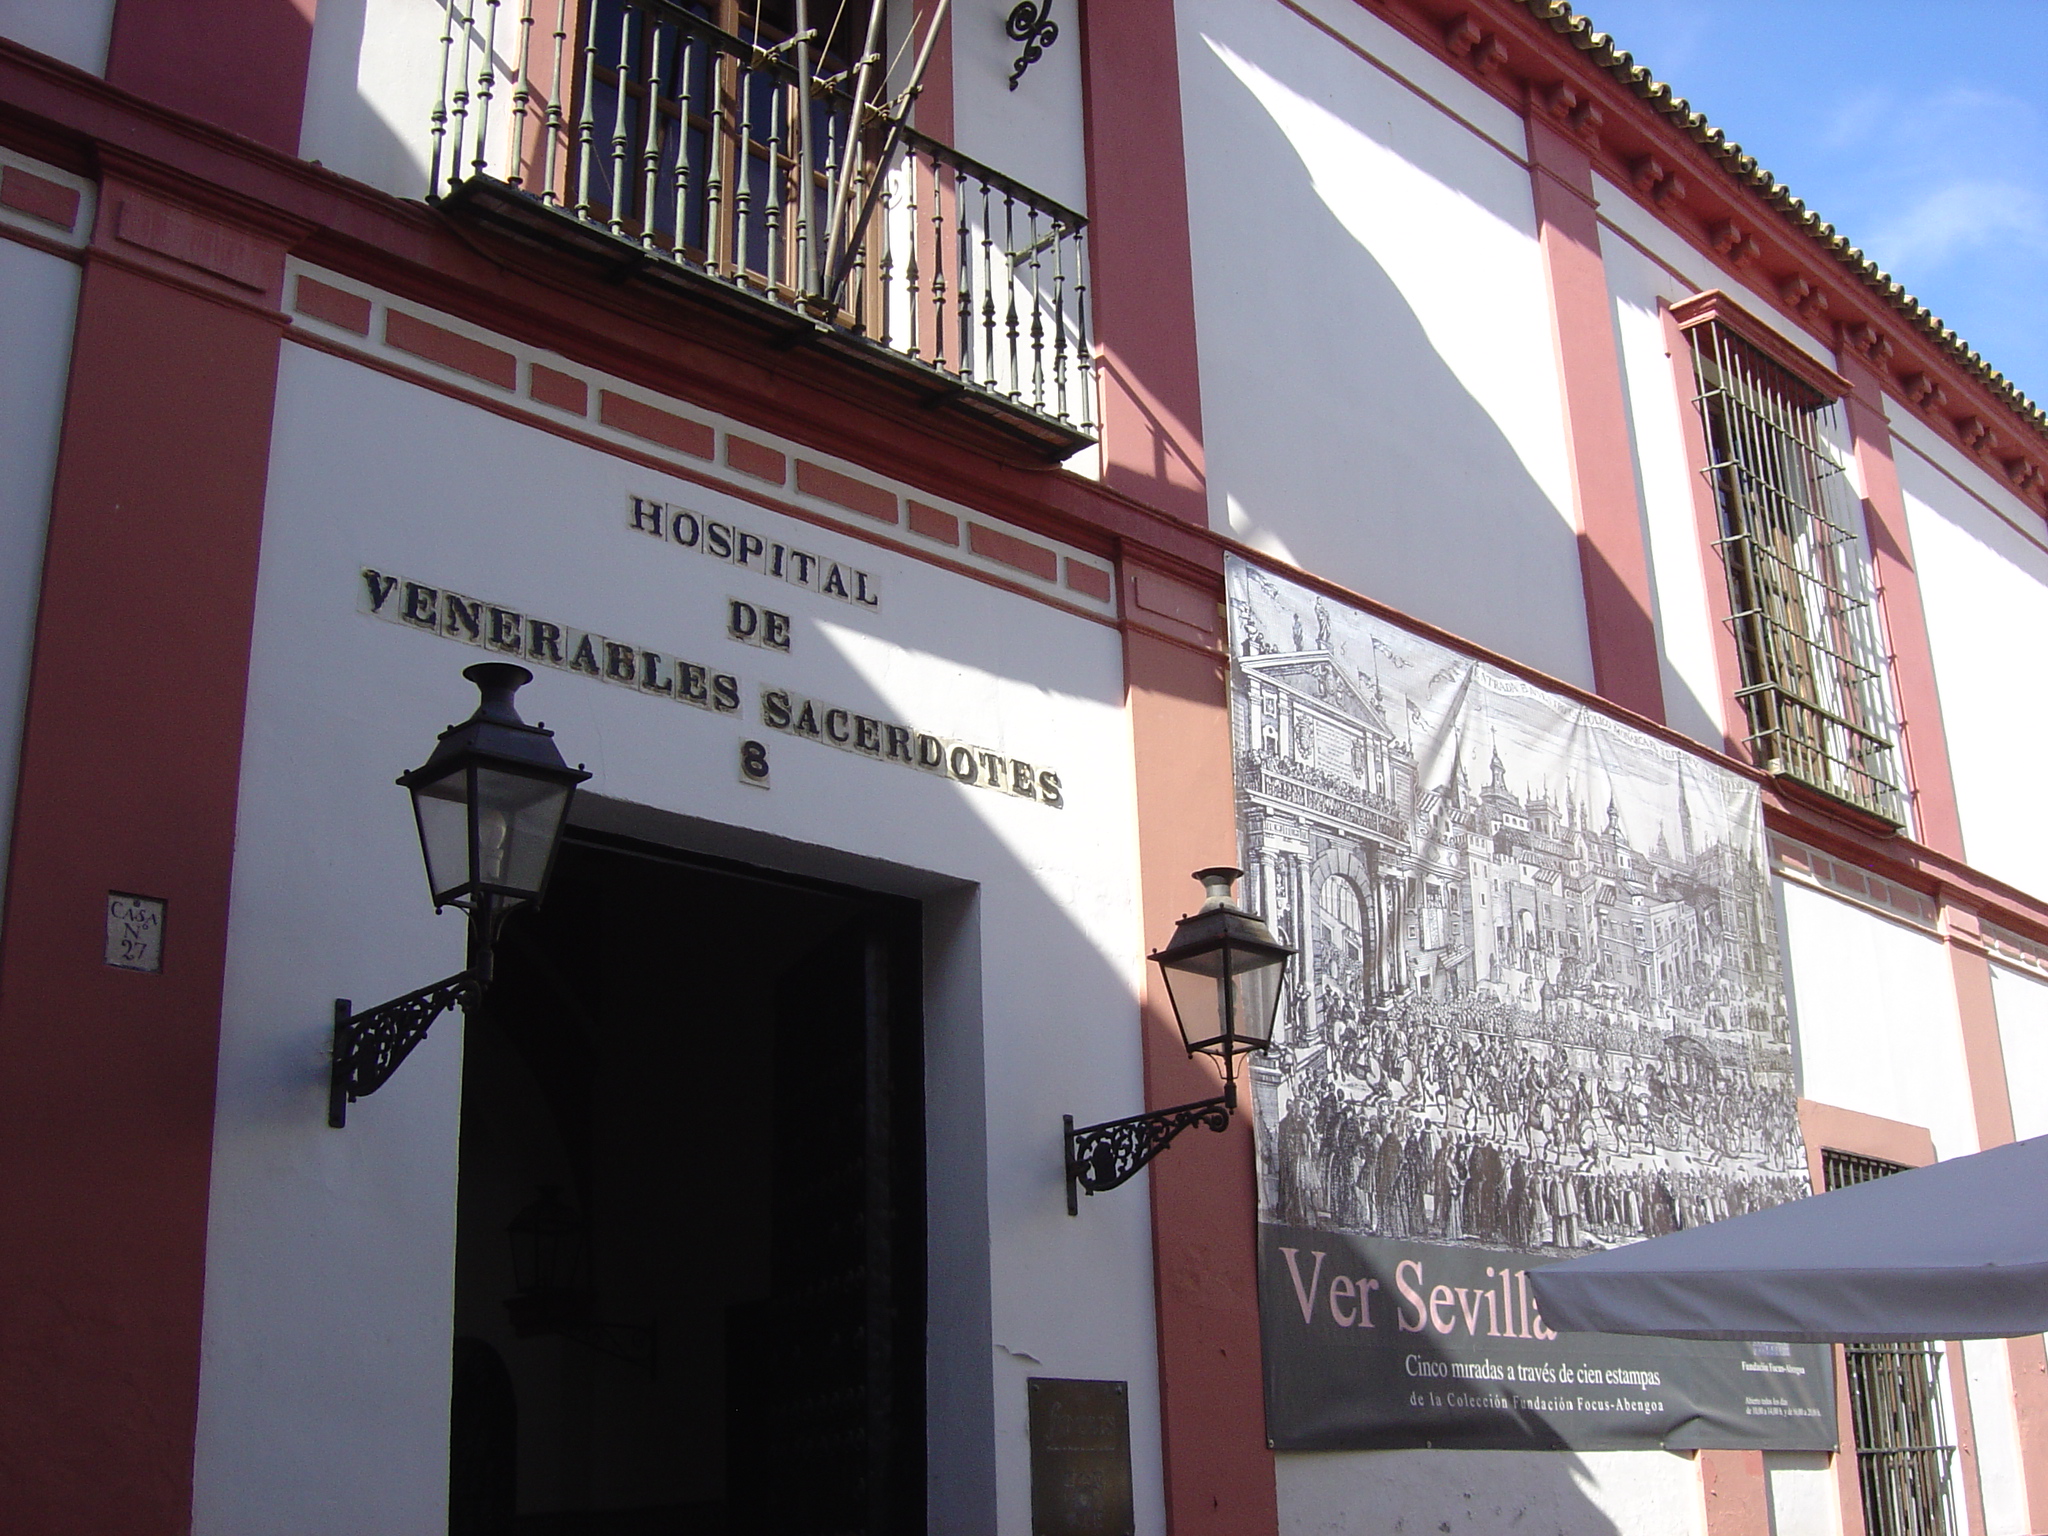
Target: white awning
[[1955, 1250]]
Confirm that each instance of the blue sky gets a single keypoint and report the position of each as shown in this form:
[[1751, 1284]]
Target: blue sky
[[1920, 131]]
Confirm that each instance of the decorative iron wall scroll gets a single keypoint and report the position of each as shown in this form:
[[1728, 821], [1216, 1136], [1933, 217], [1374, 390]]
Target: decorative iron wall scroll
[[1538, 1011]]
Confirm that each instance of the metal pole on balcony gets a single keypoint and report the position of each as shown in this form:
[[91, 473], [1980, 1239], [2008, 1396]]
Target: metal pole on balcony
[[650, 138], [686, 60], [743, 170], [806, 274], [863, 79], [714, 161], [486, 79], [621, 139], [878, 173], [586, 130], [553, 125], [522, 96], [440, 117]]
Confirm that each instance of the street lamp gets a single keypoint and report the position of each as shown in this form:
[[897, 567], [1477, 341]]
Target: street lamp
[[490, 803], [1223, 975], [550, 1267]]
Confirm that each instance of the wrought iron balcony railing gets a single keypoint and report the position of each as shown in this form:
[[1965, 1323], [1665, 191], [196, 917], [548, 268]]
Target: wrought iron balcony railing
[[767, 168]]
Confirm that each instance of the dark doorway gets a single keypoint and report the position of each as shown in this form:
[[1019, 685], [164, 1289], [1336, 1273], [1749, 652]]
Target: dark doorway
[[690, 1230]]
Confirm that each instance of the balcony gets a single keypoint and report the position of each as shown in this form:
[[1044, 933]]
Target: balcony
[[766, 175]]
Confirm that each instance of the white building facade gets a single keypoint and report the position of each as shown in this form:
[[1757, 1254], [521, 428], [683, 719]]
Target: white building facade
[[863, 515]]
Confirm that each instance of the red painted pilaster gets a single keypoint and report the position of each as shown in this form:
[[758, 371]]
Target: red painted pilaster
[[240, 64], [130, 759], [1142, 280], [1219, 1473], [1935, 819], [1984, 1061], [1613, 563], [1737, 1495]]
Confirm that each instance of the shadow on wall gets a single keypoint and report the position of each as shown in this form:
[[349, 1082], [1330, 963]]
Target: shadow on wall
[[370, 90], [1339, 434]]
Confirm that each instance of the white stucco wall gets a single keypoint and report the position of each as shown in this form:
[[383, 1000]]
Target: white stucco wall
[[372, 81], [1805, 1500], [1982, 558], [2022, 1003], [324, 1387], [1681, 580], [1380, 396], [2001, 1464], [75, 31], [38, 300], [1490, 1493], [1875, 1026], [1034, 133]]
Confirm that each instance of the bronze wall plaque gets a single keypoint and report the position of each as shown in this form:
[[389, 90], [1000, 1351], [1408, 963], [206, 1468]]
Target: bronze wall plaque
[[1080, 1458]]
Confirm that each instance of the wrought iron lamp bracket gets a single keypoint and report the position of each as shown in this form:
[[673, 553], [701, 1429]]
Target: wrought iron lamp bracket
[[1100, 1157], [1030, 23], [369, 1046]]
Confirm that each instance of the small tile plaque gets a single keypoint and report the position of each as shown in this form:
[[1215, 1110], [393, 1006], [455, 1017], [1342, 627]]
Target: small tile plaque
[[1080, 1458], [135, 932]]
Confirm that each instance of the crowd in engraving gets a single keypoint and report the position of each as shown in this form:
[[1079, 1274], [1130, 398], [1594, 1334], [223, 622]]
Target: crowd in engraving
[[1462, 1120]]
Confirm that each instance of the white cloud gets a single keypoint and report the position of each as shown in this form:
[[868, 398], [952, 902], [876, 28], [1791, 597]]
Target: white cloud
[[1939, 224]]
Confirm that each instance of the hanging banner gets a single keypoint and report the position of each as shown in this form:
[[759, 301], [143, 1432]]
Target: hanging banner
[[1537, 1012]]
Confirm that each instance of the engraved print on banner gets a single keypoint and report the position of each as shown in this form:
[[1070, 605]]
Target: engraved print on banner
[[1538, 1012]]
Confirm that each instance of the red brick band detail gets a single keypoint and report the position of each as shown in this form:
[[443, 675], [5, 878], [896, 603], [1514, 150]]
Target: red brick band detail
[[845, 491], [350, 311], [1018, 554], [563, 391], [663, 427], [1089, 580], [38, 197], [931, 523], [756, 459], [194, 241], [411, 334]]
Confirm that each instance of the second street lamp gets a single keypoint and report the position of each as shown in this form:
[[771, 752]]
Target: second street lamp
[[491, 802], [1223, 975]]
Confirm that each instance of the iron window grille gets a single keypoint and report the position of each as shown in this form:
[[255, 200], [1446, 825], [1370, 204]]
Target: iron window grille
[[1814, 684], [1904, 1457]]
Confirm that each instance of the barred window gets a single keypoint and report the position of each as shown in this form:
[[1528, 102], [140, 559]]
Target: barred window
[[1814, 685], [1904, 1457]]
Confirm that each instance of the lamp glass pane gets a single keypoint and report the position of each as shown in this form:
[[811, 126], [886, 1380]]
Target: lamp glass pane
[[517, 819], [1195, 984], [1257, 979], [442, 808]]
